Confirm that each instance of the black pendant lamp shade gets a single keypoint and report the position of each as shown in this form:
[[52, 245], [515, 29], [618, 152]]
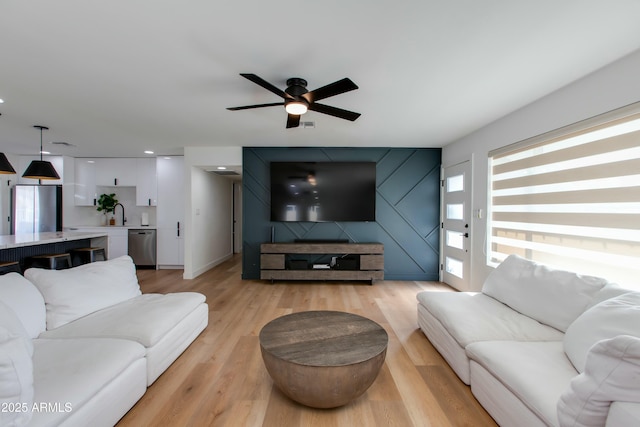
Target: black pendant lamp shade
[[41, 169], [5, 166]]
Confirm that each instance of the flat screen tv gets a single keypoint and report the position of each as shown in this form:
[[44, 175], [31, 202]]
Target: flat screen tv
[[323, 191]]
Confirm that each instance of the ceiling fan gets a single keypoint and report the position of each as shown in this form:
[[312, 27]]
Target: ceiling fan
[[297, 99]]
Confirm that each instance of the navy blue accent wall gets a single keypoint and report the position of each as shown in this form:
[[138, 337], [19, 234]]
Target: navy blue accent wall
[[407, 207]]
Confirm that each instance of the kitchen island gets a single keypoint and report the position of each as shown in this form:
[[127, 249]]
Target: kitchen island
[[18, 247], [118, 239]]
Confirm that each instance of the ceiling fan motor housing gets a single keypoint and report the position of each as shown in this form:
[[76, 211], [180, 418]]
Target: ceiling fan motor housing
[[296, 86]]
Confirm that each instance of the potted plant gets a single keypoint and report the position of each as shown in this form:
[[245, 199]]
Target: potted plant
[[107, 204]]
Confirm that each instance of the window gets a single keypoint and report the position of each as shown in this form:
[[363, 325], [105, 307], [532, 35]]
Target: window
[[571, 198]]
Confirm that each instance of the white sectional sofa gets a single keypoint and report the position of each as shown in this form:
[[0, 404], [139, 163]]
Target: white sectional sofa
[[79, 347], [542, 347]]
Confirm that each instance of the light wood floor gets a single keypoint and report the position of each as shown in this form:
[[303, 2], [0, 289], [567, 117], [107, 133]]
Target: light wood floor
[[220, 379]]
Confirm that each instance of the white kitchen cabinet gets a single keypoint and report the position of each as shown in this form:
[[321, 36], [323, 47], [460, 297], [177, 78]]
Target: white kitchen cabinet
[[116, 172], [170, 211], [85, 193], [146, 182], [118, 243], [25, 161]]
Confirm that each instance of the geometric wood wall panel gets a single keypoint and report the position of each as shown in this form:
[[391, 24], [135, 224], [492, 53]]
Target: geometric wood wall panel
[[407, 207]]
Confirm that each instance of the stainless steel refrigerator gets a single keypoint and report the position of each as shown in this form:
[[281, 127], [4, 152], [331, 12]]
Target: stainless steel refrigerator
[[36, 208]]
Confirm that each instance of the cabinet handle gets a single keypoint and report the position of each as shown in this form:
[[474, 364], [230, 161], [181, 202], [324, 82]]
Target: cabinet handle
[[115, 181], [149, 202], [94, 202], [178, 230]]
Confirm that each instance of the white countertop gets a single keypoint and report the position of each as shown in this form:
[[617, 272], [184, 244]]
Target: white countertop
[[20, 240], [108, 227]]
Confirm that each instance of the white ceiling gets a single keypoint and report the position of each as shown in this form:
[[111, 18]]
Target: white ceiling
[[117, 77]]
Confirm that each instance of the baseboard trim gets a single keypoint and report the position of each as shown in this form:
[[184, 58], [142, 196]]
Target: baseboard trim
[[208, 266]]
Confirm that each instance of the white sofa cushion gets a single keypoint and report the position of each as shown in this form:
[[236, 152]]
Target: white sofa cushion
[[16, 370], [26, 301], [76, 292], [68, 373], [453, 320], [612, 373], [471, 317], [164, 324], [537, 373], [553, 297], [611, 290], [145, 318], [623, 414], [610, 318]]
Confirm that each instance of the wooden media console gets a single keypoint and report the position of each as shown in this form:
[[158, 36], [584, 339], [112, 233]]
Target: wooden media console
[[295, 261]]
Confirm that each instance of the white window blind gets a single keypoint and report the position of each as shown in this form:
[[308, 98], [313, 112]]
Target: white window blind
[[571, 199]]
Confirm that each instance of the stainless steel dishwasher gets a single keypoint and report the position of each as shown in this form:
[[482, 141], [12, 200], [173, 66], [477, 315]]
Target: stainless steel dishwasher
[[142, 247]]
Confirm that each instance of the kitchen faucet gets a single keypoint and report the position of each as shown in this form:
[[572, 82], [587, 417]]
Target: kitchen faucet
[[124, 219]]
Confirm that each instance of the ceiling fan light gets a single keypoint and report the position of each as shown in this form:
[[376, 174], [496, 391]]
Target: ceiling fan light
[[5, 166], [296, 108]]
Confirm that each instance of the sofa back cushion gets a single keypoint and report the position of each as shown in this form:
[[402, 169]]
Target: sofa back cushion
[[611, 290], [610, 318], [550, 296], [612, 373], [76, 292], [16, 370], [26, 301]]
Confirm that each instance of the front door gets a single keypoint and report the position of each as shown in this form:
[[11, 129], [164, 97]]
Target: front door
[[455, 226]]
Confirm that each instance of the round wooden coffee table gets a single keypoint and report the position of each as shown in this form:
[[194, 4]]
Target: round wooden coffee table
[[323, 359]]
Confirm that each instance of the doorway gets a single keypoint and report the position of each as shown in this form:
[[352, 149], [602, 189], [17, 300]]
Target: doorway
[[236, 226], [455, 225]]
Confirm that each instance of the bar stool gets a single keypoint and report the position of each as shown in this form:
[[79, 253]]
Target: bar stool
[[81, 256], [10, 267], [50, 261]]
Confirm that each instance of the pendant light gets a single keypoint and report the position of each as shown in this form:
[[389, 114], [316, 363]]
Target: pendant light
[[41, 169], [5, 166]]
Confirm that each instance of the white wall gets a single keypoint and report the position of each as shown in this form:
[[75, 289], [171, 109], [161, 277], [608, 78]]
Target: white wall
[[209, 209], [612, 87]]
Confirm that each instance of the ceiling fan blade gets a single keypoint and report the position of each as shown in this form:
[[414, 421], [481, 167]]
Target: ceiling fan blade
[[335, 88], [247, 107], [265, 84], [333, 111], [293, 121]]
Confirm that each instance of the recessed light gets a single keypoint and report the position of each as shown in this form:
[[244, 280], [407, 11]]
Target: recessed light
[[91, 161], [221, 168], [148, 152], [167, 158], [45, 152], [1, 101]]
